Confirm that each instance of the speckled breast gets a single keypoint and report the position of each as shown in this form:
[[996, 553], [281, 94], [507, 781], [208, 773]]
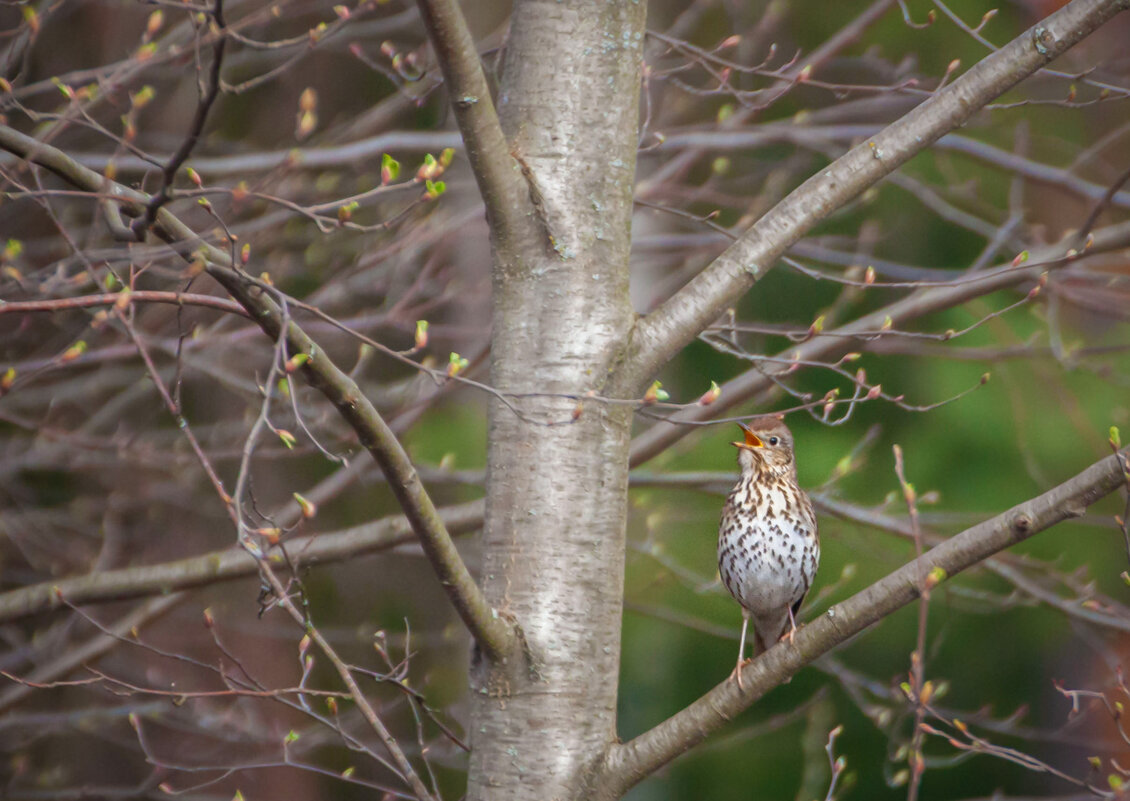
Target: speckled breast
[[767, 549]]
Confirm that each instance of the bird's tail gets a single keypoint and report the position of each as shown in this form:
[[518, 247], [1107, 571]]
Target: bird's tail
[[768, 629]]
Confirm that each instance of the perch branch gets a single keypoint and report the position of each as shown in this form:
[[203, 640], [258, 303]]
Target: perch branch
[[629, 763]]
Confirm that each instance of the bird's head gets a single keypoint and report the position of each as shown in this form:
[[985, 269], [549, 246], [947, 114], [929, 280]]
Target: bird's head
[[767, 447]]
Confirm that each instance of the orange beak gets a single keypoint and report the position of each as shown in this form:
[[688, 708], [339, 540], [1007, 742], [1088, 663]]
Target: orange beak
[[751, 439]]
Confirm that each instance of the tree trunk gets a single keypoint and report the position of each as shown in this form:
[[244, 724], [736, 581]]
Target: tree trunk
[[553, 542]]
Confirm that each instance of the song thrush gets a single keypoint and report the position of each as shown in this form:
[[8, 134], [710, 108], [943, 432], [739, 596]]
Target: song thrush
[[768, 549]]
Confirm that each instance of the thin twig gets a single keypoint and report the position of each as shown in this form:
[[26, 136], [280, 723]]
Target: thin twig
[[208, 97], [175, 411], [403, 765], [918, 657]]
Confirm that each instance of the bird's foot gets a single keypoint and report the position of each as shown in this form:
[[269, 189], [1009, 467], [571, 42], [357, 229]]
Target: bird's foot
[[790, 635], [736, 675]]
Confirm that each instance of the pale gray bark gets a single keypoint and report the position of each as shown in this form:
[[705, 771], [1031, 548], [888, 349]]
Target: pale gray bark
[[553, 544]]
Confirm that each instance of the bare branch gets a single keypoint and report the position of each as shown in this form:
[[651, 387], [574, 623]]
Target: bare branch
[[407, 773], [228, 564], [122, 298]]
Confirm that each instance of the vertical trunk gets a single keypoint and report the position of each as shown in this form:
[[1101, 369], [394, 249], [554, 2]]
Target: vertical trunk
[[553, 545]]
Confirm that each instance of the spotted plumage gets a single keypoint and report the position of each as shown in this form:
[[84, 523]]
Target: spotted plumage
[[768, 549]]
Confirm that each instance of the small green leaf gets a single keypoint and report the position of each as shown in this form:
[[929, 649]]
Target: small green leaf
[[142, 97], [345, 213], [296, 361], [710, 395], [66, 91], [390, 169], [74, 351], [308, 508], [456, 364]]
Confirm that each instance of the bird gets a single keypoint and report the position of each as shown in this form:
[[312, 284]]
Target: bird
[[768, 546]]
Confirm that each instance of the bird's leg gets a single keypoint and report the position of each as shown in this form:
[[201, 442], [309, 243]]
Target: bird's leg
[[741, 650]]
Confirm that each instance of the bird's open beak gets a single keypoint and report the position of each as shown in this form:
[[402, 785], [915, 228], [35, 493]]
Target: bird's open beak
[[751, 439]]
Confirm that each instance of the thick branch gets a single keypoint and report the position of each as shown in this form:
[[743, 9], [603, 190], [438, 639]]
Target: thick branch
[[231, 563], [663, 332], [494, 635], [631, 762], [504, 192]]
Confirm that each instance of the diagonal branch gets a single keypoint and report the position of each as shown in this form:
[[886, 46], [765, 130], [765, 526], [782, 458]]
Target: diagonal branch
[[671, 326], [493, 635], [504, 192], [629, 763]]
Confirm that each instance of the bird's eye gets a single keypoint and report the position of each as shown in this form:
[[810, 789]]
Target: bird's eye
[[774, 440]]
